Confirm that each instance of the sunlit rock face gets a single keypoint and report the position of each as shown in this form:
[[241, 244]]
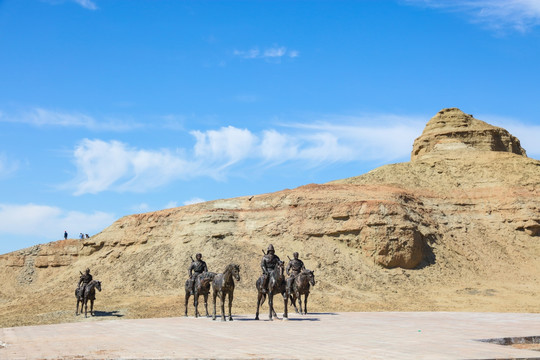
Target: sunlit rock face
[[451, 129]]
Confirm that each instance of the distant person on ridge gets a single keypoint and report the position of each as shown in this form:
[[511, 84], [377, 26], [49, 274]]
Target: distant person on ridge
[[65, 234], [196, 268], [294, 268], [268, 264]]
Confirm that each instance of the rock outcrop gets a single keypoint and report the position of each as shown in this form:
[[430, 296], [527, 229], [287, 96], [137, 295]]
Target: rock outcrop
[[452, 129]]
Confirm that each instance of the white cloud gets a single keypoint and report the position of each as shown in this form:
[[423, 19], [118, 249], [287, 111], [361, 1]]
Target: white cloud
[[194, 200], [277, 147], [171, 204], [88, 4], [248, 54], [294, 53], [497, 14], [139, 208], [7, 166], [112, 165], [275, 52], [49, 222], [226, 146], [45, 117]]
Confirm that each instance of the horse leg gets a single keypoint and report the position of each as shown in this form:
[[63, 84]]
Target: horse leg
[[85, 307], [91, 307], [188, 294], [305, 303], [196, 303], [285, 301], [206, 304], [214, 295], [231, 297], [222, 297], [270, 305], [259, 297], [293, 301]]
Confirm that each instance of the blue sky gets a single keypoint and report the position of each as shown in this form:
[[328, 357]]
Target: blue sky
[[110, 108]]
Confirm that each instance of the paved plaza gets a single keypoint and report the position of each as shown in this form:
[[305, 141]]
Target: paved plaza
[[388, 335]]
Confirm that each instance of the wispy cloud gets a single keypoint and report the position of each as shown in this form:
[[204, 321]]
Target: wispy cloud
[[272, 53], [7, 166], [170, 205], [87, 4], [104, 165], [49, 222], [116, 166], [45, 117], [521, 15], [195, 200]]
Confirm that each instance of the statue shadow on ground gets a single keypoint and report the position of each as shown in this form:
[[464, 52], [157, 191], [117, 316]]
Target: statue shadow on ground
[[292, 317], [322, 313], [114, 313]]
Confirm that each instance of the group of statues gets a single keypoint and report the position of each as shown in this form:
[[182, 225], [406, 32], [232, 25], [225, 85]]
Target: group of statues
[[268, 264], [272, 281]]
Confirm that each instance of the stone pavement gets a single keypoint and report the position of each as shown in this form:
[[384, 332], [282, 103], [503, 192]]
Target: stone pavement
[[388, 335]]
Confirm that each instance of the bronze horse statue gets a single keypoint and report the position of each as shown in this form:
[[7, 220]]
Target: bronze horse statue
[[222, 286], [201, 287], [86, 293], [276, 285], [300, 286]]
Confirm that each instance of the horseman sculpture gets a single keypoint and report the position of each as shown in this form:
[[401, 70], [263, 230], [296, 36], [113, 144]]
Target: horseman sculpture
[[83, 281], [196, 268], [268, 264], [294, 268]]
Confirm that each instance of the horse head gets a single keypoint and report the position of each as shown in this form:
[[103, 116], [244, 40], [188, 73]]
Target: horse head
[[310, 275], [236, 272], [311, 278], [233, 270], [98, 285]]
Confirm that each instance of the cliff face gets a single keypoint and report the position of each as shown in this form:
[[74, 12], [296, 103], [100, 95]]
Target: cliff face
[[452, 129], [461, 219]]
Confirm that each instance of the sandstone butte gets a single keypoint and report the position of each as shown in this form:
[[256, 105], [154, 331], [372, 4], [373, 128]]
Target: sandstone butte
[[457, 228]]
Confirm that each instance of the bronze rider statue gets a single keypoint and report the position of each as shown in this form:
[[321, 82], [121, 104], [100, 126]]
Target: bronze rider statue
[[268, 264], [196, 268], [83, 281], [294, 268]]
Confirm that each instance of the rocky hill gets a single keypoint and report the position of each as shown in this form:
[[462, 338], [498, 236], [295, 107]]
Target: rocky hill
[[457, 229]]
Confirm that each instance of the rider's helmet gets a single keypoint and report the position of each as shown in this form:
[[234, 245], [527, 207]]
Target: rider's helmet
[[87, 271], [295, 255], [198, 256], [270, 248]]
